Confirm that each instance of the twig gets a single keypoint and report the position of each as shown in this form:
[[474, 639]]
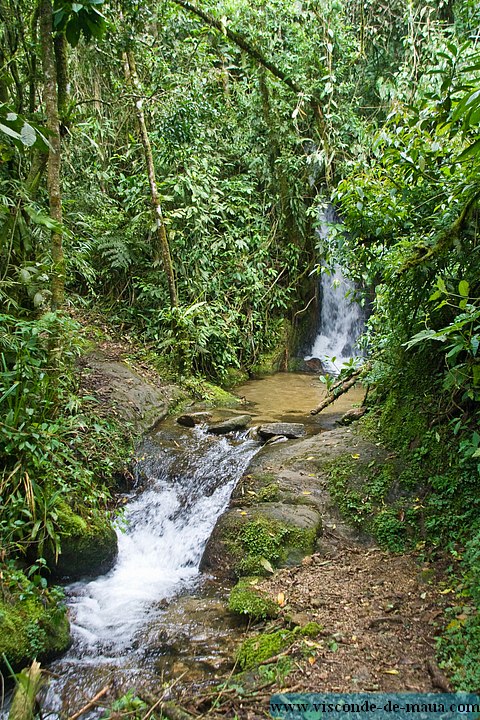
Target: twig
[[91, 702]]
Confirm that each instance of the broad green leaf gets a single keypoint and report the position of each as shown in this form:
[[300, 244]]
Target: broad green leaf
[[265, 564], [72, 32], [441, 285], [463, 288], [28, 135], [8, 131], [471, 151]]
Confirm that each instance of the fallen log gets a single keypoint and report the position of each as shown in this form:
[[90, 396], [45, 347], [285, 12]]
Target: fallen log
[[340, 388]]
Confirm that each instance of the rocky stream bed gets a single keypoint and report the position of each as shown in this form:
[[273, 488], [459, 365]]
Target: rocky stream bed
[[336, 612]]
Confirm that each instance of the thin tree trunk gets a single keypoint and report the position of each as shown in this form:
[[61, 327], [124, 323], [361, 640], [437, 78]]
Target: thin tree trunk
[[60, 48], [54, 155], [163, 250]]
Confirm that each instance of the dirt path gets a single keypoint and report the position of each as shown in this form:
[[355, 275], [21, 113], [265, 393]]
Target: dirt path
[[380, 615]]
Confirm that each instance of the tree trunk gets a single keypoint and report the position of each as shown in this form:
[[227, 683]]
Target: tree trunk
[[340, 388], [54, 155], [163, 250]]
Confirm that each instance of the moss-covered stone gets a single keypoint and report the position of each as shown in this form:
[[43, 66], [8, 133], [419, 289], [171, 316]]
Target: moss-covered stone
[[277, 358], [33, 621], [216, 396], [248, 541], [233, 377], [311, 629], [257, 649], [246, 599], [89, 546]]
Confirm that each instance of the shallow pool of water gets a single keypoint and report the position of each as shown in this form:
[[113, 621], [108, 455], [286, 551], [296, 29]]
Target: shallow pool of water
[[289, 397]]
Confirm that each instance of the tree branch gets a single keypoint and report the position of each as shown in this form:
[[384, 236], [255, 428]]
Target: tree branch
[[446, 239]]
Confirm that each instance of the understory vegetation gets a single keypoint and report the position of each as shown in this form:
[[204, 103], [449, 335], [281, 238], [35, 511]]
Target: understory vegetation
[[163, 165]]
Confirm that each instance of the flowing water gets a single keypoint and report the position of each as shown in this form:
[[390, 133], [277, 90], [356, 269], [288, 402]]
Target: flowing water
[[341, 318], [186, 478]]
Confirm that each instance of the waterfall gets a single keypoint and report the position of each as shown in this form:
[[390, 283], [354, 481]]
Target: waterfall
[[341, 318], [186, 481]]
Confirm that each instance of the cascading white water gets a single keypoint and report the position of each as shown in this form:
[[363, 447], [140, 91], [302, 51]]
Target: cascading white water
[[187, 482], [341, 318]]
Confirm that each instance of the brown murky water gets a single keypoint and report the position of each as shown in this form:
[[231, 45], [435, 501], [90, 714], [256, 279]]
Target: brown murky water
[[289, 397]]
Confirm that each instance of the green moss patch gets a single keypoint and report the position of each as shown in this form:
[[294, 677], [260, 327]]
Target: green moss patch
[[246, 599], [261, 542], [88, 545], [33, 620], [259, 648]]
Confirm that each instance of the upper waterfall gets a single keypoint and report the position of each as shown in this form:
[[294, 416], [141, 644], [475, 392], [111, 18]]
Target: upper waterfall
[[341, 317]]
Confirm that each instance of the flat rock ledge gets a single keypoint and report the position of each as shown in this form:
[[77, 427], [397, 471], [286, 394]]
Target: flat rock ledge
[[288, 430]]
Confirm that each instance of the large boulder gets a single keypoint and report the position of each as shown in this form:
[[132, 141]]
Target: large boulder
[[89, 547], [33, 621], [255, 539], [125, 393]]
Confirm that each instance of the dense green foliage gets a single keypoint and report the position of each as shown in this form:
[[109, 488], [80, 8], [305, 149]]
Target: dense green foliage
[[253, 113]]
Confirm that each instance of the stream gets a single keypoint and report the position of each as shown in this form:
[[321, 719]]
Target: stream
[[154, 616], [185, 478]]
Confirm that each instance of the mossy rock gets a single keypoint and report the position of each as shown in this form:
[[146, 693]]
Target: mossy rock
[[257, 649], [216, 396], [233, 377], [246, 599], [89, 546], [250, 540], [33, 622]]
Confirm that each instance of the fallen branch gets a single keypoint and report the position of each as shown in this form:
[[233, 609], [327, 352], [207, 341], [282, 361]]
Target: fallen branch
[[340, 388], [90, 703], [438, 679]]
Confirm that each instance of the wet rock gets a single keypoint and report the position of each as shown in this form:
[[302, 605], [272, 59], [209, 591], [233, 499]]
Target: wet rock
[[289, 430], [314, 365], [88, 548], [236, 422], [352, 415], [130, 397], [192, 419]]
